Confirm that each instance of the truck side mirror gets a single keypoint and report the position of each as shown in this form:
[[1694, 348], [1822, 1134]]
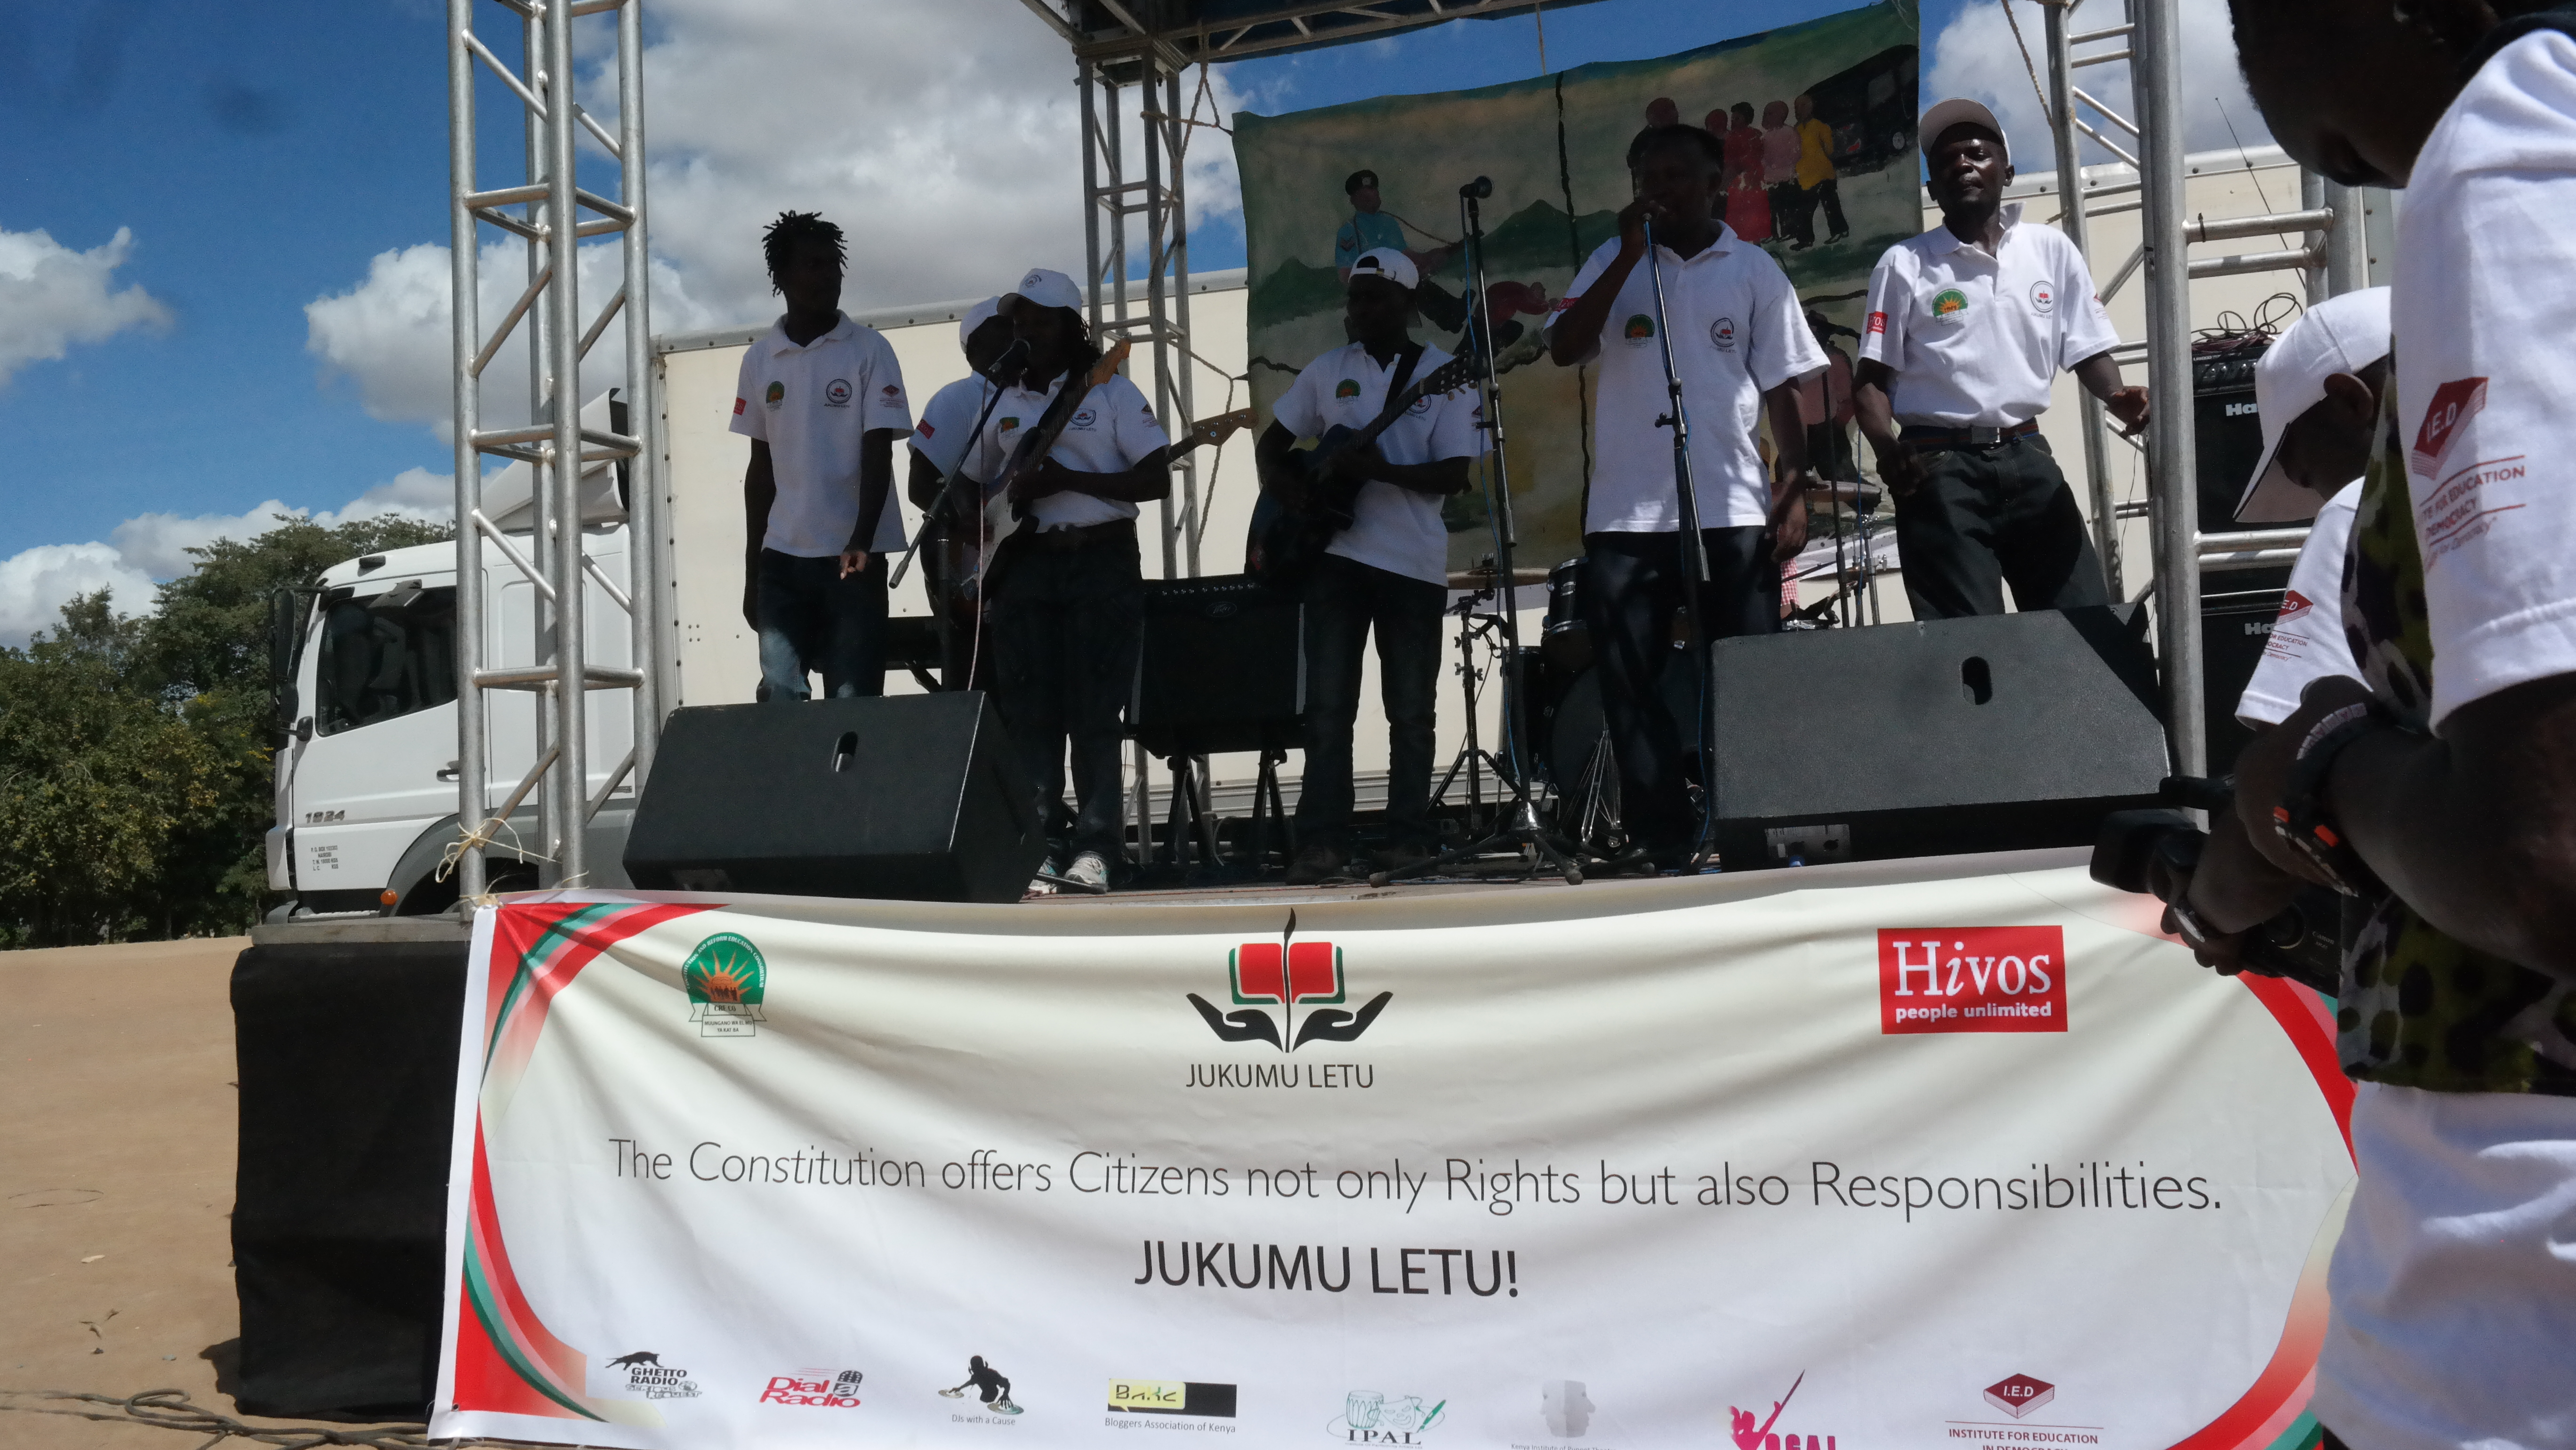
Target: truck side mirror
[[304, 729]]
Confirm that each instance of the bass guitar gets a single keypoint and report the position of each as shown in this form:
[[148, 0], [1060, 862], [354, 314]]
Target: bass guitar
[[1301, 508]]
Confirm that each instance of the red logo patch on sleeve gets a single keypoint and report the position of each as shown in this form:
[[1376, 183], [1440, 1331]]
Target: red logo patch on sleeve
[[1972, 979], [1877, 323], [925, 430], [2454, 403], [737, 407], [1562, 303], [2293, 604]]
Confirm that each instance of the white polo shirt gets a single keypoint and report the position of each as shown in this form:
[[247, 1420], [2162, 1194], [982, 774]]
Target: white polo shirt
[[813, 405], [1111, 432], [1975, 338], [1738, 332], [1395, 529], [2307, 642], [948, 422], [2485, 329]]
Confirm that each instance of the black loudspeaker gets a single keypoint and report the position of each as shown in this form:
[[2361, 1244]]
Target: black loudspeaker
[[2236, 613], [1984, 734], [347, 1057], [1221, 666], [2236, 605], [2227, 432], [906, 798]]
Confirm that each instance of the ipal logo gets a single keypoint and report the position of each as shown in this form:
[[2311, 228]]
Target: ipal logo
[[2020, 1394], [727, 980], [1371, 1417], [1750, 1435], [1972, 979], [819, 1389], [1288, 974]]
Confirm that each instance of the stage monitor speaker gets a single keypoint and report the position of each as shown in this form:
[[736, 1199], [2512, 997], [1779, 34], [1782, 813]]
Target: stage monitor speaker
[[904, 798], [2227, 432], [2236, 614], [1985, 734], [1221, 666]]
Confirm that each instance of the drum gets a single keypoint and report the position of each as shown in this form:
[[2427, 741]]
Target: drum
[[1568, 641], [1572, 724]]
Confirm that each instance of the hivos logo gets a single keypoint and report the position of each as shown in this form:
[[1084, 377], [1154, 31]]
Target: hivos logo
[[2020, 1394], [1972, 979], [1288, 974], [1877, 323], [1749, 1435], [815, 1388], [2454, 403], [2293, 604]]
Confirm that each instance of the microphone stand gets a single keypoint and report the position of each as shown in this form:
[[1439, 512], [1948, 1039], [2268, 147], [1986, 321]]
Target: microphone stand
[[1694, 553], [1519, 827], [948, 485]]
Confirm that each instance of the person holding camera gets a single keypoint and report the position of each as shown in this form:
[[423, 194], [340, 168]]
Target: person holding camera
[[2440, 785]]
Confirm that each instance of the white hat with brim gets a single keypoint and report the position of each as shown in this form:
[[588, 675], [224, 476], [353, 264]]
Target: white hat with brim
[[1388, 263], [2342, 334], [976, 316], [1956, 111], [1047, 289]]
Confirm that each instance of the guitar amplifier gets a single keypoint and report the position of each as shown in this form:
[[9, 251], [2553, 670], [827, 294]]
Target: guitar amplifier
[[1221, 667]]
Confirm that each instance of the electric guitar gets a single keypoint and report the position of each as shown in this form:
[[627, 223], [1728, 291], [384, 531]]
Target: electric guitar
[[1299, 512]]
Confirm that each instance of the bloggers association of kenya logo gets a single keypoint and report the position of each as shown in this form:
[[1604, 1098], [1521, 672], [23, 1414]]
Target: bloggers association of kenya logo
[[1972, 979], [1288, 974]]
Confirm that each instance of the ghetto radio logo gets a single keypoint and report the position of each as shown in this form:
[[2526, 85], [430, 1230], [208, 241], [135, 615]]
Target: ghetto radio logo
[[1972, 979]]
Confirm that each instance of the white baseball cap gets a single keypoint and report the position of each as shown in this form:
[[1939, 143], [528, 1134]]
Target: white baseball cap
[[976, 316], [1390, 264], [1047, 289], [2342, 334], [1949, 113]]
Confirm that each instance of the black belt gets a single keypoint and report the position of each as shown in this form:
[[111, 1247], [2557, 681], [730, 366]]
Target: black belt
[[1935, 439], [1083, 536]]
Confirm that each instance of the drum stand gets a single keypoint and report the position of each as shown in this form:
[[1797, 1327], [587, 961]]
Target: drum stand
[[1521, 829], [1472, 756]]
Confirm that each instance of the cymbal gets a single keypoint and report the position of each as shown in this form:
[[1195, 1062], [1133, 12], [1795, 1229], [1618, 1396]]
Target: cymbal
[[1484, 578]]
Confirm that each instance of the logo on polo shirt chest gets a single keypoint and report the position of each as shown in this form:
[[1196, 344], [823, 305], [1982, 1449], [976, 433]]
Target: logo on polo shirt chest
[[836, 393], [1721, 334], [1086, 417], [1949, 302], [2043, 298], [1347, 388], [1640, 328], [776, 395]]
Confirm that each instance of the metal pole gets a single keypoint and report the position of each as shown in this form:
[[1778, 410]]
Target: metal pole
[[2072, 220], [1154, 139], [644, 471], [1184, 393], [2347, 249], [569, 781], [2312, 197], [541, 325], [1091, 193], [464, 341], [2157, 69]]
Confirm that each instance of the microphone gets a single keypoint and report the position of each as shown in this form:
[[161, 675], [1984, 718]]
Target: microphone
[[1480, 188], [1018, 351]]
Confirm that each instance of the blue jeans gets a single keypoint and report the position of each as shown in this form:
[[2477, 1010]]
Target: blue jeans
[[1345, 600], [813, 619]]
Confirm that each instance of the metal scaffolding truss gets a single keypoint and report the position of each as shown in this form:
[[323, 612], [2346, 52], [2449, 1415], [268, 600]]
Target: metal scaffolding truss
[[2146, 38], [550, 212], [1181, 33]]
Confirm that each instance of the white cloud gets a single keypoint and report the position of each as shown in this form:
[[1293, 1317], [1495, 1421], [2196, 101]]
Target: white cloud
[[52, 297], [35, 583], [1974, 55]]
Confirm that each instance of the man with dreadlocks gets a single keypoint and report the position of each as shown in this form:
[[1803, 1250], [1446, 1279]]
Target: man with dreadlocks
[[821, 399]]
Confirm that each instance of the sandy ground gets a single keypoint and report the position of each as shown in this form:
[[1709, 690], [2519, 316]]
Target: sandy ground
[[116, 1181]]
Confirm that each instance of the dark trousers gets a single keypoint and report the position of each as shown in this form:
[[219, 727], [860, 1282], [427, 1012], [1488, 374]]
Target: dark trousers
[[812, 619], [1632, 584], [1826, 194], [1987, 517], [1064, 623], [1792, 212], [1345, 599]]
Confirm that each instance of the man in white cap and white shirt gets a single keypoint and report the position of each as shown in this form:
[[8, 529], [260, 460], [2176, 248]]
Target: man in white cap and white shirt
[[2317, 388], [1740, 343], [1387, 572], [939, 444], [821, 398], [1066, 603], [1968, 325]]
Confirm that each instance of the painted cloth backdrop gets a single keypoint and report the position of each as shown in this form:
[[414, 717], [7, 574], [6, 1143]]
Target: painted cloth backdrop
[[1948, 1152], [1556, 148]]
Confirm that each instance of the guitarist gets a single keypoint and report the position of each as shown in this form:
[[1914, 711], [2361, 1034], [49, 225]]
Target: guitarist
[[1387, 570], [939, 443], [1064, 598]]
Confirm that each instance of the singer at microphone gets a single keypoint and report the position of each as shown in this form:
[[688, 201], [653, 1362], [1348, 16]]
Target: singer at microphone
[[940, 441]]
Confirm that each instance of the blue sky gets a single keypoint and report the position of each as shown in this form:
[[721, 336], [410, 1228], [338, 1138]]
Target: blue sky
[[263, 158]]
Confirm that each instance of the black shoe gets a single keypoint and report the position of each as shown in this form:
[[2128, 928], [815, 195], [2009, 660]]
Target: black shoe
[[1404, 856], [1319, 862], [1639, 859]]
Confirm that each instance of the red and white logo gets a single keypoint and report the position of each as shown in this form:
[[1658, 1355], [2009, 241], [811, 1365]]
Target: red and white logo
[[1877, 323], [2454, 403], [1971, 979], [2020, 1394], [737, 407], [817, 1388], [2293, 604], [926, 429]]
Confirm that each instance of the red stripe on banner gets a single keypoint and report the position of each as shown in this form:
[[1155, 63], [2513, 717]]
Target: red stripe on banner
[[2310, 1023]]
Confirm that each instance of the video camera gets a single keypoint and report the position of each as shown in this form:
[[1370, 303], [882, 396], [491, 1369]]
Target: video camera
[[2303, 944]]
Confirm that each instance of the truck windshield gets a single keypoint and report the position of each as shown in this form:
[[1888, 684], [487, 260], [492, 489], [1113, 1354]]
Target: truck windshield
[[383, 656]]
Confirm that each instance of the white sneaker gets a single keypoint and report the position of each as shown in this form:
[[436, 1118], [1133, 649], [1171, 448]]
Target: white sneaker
[[1039, 885], [1088, 871]]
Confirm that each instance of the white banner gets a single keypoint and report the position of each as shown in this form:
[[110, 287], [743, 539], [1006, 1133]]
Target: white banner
[[1953, 1152]]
